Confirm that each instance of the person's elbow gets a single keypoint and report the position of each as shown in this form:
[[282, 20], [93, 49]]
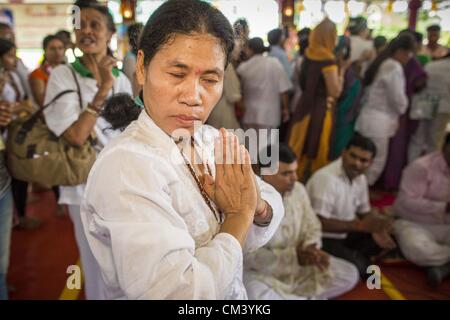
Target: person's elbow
[[73, 138]]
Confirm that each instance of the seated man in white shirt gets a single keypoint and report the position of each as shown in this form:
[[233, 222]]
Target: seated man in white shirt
[[292, 265], [339, 196]]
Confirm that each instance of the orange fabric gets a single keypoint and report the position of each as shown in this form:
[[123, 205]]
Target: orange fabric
[[322, 41], [39, 74], [330, 68], [306, 165]]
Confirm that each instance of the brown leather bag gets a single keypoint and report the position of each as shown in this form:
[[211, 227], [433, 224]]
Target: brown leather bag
[[35, 154]]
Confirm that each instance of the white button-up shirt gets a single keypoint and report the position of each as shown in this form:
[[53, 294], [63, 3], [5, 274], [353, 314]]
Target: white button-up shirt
[[151, 230], [334, 196]]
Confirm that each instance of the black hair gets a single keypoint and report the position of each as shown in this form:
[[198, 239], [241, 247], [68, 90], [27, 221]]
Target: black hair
[[303, 40], [404, 41], [285, 154], [379, 42], [184, 17], [5, 46], [63, 35], [343, 48], [120, 109], [49, 39], [356, 25], [256, 45], [274, 36], [434, 27], [362, 142], [304, 33], [134, 32], [416, 35], [171, 18], [94, 4]]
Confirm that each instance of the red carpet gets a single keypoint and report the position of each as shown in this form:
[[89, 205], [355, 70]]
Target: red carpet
[[39, 260]]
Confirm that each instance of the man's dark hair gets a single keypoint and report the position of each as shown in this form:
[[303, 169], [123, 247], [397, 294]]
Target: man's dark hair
[[362, 142], [356, 25], [379, 42], [285, 154], [274, 36], [256, 45], [434, 27]]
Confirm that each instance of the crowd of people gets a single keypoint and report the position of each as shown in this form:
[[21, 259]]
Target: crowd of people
[[176, 207]]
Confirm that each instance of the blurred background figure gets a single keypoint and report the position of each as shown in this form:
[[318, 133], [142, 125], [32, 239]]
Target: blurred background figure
[[54, 55], [129, 61], [265, 87], [224, 113], [430, 132], [69, 46], [276, 40], [14, 92], [321, 81], [433, 48], [54, 49], [242, 32], [363, 51], [302, 36], [6, 203], [349, 102], [397, 158], [423, 205], [385, 100]]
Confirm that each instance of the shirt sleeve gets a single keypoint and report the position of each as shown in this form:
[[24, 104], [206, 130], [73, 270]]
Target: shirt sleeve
[[321, 194], [284, 84], [259, 236], [62, 113], [395, 85], [364, 206], [411, 202], [128, 215]]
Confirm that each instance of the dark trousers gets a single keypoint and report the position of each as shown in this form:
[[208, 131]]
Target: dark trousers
[[56, 192], [357, 248], [20, 191]]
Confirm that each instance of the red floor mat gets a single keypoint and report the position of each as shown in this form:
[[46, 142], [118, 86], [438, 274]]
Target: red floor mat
[[39, 260]]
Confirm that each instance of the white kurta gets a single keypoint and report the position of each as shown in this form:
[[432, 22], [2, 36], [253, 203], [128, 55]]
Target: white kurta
[[273, 272], [150, 229]]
